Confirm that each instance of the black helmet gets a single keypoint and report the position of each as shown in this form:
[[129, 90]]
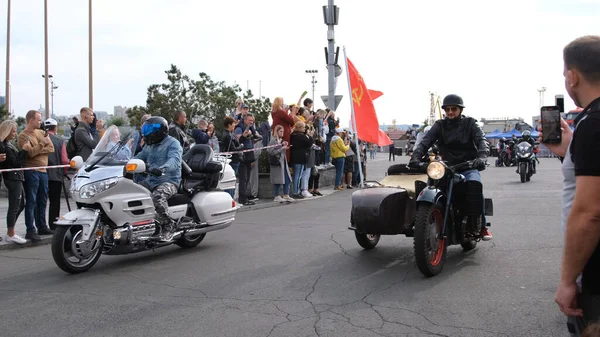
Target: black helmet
[[526, 134], [453, 100], [154, 130], [502, 140]]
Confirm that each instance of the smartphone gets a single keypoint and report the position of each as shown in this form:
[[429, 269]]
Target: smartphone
[[551, 129], [304, 93]]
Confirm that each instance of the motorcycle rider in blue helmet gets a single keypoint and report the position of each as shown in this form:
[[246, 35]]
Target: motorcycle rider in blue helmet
[[459, 139], [162, 154]]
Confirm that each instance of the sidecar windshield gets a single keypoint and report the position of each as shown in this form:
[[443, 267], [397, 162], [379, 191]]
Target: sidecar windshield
[[114, 148]]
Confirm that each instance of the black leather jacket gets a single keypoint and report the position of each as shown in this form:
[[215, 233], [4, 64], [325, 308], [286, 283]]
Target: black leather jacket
[[458, 139], [178, 133], [14, 159]]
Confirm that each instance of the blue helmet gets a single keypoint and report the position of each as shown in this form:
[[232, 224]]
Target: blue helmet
[[154, 130]]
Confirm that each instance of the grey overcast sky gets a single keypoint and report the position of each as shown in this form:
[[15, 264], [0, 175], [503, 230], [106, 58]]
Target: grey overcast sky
[[493, 53]]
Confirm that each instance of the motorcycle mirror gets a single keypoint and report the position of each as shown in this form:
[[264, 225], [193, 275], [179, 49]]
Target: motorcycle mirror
[[135, 166], [76, 162]]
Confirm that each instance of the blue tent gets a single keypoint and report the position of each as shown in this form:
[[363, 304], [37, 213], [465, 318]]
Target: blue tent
[[510, 133], [494, 134], [534, 133]]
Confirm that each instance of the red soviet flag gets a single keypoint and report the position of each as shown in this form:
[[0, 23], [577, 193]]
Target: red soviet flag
[[367, 125], [375, 94]]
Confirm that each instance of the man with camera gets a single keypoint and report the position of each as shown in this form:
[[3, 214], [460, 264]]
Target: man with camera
[[38, 146]]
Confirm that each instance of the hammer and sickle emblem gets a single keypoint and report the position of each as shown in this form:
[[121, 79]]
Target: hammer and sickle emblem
[[356, 97]]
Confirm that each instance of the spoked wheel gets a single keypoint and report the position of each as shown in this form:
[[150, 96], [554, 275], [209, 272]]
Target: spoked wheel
[[70, 253], [429, 248], [523, 171], [190, 241], [367, 241]]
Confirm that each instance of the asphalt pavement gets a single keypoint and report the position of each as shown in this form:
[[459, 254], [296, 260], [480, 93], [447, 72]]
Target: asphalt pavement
[[297, 271]]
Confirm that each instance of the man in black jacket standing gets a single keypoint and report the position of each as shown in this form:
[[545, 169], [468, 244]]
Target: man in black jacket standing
[[459, 139], [177, 130], [56, 176]]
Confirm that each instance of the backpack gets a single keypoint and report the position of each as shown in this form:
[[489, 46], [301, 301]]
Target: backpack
[[71, 147]]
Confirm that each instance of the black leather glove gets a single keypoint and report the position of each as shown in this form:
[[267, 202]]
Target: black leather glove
[[156, 172], [480, 163], [414, 163]]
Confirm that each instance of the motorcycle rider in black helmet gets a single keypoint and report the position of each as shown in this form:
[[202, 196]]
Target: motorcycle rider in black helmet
[[459, 139], [162, 154], [526, 137]]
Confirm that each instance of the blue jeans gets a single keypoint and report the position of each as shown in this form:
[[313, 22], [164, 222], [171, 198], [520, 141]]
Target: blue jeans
[[298, 170], [36, 195], [339, 170], [235, 167], [286, 186], [474, 175]]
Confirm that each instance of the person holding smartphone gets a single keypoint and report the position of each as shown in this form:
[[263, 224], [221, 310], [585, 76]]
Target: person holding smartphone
[[580, 154]]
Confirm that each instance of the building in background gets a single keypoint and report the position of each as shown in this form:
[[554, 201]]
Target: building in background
[[120, 111], [102, 115], [2, 100], [503, 124]]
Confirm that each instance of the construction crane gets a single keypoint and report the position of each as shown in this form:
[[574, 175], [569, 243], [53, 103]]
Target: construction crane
[[435, 105]]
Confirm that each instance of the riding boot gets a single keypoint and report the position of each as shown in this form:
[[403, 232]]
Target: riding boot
[[166, 231]]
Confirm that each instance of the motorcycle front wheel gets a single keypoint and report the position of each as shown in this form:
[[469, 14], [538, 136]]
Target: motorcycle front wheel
[[429, 248], [70, 253], [523, 171]]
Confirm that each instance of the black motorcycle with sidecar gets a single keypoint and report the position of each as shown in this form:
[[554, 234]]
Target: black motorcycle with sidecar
[[434, 204]]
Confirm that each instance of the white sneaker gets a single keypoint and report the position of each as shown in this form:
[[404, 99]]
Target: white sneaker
[[288, 198], [307, 194], [16, 239], [278, 199]]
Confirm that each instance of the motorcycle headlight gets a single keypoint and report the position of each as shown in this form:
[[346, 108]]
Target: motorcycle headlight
[[527, 155], [436, 170], [90, 190]]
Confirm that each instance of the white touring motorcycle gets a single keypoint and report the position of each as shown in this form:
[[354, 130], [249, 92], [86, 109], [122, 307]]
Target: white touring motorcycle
[[115, 215]]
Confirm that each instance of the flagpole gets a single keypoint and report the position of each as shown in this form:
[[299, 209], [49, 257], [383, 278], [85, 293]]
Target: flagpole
[[354, 121]]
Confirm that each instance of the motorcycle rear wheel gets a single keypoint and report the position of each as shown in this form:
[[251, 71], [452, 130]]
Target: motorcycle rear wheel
[[190, 241], [64, 243], [429, 250]]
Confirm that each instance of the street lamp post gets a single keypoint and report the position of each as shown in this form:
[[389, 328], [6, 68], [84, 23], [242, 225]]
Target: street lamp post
[[331, 14], [541, 91], [46, 57], [8, 59], [313, 82], [52, 88], [91, 70]]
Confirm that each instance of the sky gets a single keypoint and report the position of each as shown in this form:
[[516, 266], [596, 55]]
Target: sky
[[495, 54]]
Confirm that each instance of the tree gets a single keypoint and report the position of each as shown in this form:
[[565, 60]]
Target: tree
[[199, 99], [4, 112], [21, 123], [117, 121], [135, 115]]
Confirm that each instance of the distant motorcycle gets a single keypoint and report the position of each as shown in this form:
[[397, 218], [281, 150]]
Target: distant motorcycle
[[525, 161]]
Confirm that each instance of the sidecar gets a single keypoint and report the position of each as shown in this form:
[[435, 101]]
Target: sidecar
[[387, 207]]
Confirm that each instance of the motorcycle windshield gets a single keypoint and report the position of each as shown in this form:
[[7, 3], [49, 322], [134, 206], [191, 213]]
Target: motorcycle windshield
[[115, 147]]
